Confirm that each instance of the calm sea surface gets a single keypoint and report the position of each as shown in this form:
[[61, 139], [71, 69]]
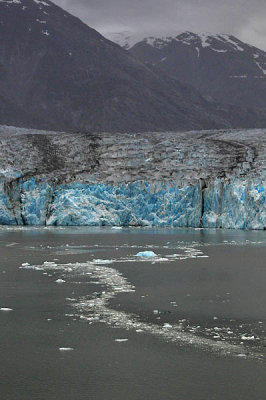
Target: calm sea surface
[[84, 316]]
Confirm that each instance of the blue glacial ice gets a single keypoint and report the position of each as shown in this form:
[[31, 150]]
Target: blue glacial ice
[[237, 204], [211, 179], [146, 254]]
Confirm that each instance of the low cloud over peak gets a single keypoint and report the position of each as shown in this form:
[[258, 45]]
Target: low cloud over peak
[[242, 18]]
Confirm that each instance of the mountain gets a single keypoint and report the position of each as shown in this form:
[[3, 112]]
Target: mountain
[[58, 73], [220, 66]]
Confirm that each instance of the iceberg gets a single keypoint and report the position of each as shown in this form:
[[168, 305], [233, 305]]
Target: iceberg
[[146, 254]]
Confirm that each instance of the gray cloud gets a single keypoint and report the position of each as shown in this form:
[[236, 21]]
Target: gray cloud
[[242, 18]]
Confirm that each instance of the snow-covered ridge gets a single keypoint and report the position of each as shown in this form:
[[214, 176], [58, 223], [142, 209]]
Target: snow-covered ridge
[[128, 39], [220, 44], [198, 39]]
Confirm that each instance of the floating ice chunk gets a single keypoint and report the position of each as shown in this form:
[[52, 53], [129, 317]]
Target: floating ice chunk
[[117, 227], [146, 254], [60, 281], [25, 264], [247, 337], [121, 340], [100, 261], [167, 326], [66, 349], [6, 309], [49, 264]]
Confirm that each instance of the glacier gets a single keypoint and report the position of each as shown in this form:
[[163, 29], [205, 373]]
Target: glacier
[[213, 179]]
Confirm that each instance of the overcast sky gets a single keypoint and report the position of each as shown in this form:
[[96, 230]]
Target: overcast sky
[[242, 18]]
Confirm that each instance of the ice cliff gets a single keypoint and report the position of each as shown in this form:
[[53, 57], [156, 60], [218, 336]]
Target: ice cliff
[[183, 179]]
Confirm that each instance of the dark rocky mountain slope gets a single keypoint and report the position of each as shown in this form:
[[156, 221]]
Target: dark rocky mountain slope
[[220, 66], [58, 73]]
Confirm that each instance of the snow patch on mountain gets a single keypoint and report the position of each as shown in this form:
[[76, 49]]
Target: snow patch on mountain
[[263, 69], [41, 2], [11, 1]]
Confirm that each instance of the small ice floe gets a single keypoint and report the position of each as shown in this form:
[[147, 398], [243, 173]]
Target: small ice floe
[[49, 264], [60, 281], [117, 227], [244, 337], [167, 326], [6, 309], [66, 349], [146, 254], [25, 264], [121, 340], [100, 261]]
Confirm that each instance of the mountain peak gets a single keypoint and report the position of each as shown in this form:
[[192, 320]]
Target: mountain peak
[[58, 73], [219, 42], [218, 65]]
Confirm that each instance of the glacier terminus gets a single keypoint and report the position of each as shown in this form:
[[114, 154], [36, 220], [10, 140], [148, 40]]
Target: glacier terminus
[[200, 179]]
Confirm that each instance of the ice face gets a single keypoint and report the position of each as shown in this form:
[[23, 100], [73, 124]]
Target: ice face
[[237, 204], [213, 179]]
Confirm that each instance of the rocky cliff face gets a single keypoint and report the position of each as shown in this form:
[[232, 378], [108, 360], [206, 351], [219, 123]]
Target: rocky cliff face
[[190, 179]]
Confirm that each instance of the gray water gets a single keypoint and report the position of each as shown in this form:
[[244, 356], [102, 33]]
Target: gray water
[[187, 324]]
